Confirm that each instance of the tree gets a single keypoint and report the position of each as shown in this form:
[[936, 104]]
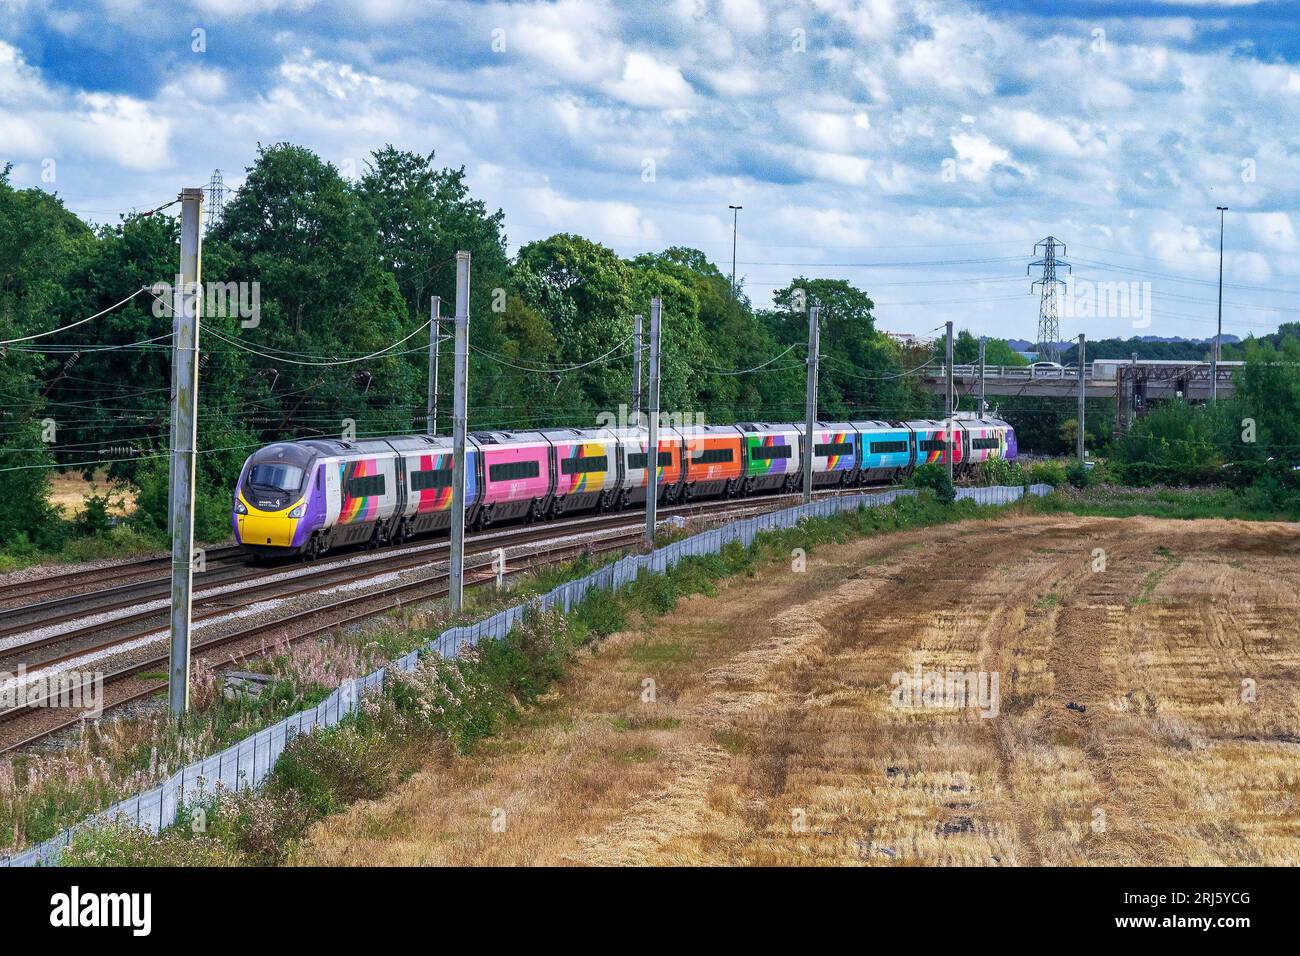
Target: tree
[[39, 242], [861, 374], [966, 351]]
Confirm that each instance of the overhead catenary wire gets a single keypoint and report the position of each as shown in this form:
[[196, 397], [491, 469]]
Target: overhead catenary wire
[[493, 356], [73, 325], [326, 364]]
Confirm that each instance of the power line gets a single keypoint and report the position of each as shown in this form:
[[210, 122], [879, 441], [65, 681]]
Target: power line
[[327, 364], [73, 325]]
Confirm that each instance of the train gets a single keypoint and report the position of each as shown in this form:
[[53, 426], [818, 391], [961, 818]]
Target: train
[[307, 497]]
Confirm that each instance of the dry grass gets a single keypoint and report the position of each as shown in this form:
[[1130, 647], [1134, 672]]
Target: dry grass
[[1122, 737], [69, 491]]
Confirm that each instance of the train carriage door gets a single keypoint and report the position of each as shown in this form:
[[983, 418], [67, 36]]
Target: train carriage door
[[333, 490]]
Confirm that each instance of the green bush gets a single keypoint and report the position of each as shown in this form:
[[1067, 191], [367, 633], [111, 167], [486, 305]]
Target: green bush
[[935, 477], [121, 844], [999, 471], [601, 614], [333, 768], [1078, 475], [1045, 473]]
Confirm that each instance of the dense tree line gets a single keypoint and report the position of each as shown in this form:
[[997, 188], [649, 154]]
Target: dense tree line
[[345, 269]]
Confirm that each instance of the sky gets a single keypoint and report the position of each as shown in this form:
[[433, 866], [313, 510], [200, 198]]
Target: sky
[[919, 150]]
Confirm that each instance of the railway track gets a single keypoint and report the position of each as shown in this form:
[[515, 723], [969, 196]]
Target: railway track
[[338, 613], [618, 530], [74, 579], [234, 568]]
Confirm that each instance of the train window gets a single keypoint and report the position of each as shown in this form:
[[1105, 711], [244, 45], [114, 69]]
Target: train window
[[769, 452], [365, 486], [932, 444], [513, 471], [638, 459], [430, 478], [577, 466], [984, 443], [711, 456], [276, 475], [888, 447], [833, 448]]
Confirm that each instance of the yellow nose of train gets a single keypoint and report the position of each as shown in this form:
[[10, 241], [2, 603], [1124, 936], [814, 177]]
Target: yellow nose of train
[[266, 528]]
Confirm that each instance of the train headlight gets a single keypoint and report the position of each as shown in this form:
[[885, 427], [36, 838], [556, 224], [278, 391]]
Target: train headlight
[[298, 512], [240, 508]]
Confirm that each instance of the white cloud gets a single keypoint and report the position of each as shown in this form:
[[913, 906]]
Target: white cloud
[[647, 81], [1130, 147], [977, 156]]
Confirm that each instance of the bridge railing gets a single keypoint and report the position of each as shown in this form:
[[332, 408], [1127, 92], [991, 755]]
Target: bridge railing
[[1021, 372]]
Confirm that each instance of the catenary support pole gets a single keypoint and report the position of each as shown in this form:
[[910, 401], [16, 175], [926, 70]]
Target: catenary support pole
[[636, 371], [435, 334], [459, 416], [1218, 334], [1082, 365], [948, 445], [187, 299], [983, 404], [810, 412], [652, 443], [1133, 389]]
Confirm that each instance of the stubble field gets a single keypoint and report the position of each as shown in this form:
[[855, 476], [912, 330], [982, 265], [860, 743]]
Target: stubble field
[[1148, 713]]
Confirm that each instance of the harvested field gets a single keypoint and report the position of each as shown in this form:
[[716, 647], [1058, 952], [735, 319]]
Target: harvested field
[[1125, 730]]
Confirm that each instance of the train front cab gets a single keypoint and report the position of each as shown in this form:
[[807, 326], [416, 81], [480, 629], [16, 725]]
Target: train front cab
[[270, 509]]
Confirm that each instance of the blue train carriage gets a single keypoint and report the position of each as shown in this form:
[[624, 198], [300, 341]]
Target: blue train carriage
[[933, 444], [886, 450], [835, 454], [770, 456]]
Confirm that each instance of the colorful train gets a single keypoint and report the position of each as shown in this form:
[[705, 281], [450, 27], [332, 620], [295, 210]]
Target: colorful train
[[309, 497]]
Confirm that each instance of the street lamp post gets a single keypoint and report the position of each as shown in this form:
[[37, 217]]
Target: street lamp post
[[1218, 335], [735, 215]]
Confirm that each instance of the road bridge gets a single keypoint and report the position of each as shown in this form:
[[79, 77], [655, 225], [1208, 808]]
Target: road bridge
[[1133, 383]]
